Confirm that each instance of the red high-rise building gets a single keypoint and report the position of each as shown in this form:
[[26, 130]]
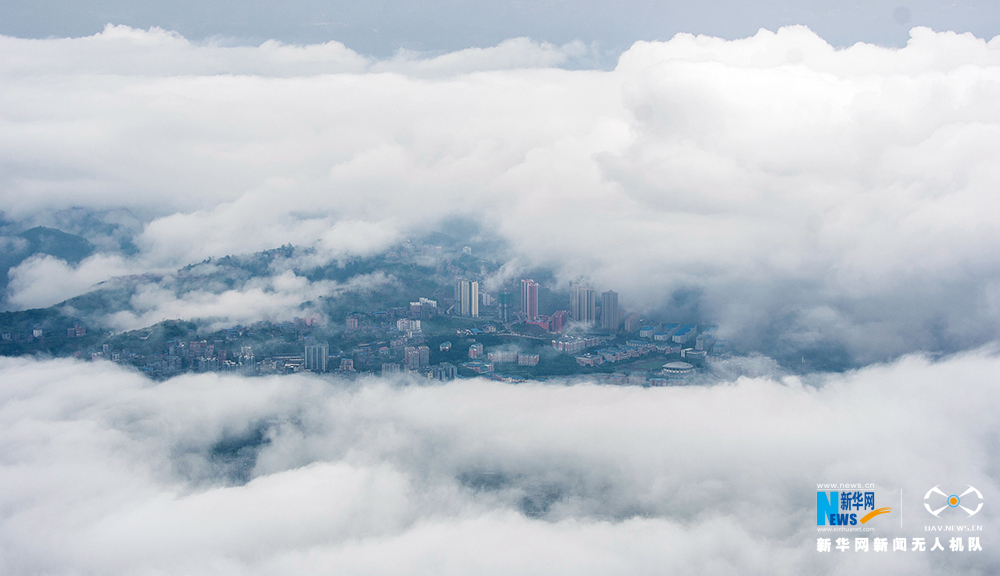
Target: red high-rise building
[[529, 299]]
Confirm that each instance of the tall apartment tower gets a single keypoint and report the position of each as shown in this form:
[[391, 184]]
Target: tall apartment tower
[[467, 298], [609, 311], [583, 304], [411, 358], [503, 306], [316, 357], [529, 299]]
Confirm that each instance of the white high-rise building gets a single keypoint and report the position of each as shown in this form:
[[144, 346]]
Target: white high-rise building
[[467, 299], [583, 304], [316, 357]]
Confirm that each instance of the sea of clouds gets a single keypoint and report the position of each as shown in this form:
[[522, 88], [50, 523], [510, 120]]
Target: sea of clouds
[[106, 472], [801, 193], [813, 195]]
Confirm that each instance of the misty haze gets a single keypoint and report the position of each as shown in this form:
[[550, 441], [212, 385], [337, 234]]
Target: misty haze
[[581, 303]]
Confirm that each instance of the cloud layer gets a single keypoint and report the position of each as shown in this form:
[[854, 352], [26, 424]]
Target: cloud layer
[[801, 196], [807, 196], [106, 472]]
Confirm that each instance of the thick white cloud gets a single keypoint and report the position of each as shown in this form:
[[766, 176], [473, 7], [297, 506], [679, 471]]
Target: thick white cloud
[[106, 472], [814, 195], [798, 194], [43, 280], [121, 50], [274, 298]]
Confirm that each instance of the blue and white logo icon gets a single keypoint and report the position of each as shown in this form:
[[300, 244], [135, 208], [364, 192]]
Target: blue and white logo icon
[[953, 501]]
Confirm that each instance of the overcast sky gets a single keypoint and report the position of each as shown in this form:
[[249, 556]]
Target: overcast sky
[[381, 27]]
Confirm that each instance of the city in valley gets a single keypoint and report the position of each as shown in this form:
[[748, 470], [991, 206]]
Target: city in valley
[[422, 309]]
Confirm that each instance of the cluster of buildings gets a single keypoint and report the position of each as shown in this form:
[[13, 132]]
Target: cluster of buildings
[[442, 371], [181, 356], [555, 323], [672, 332], [685, 335], [662, 379], [21, 336], [38, 333], [478, 366], [394, 338], [486, 370], [416, 359], [631, 350], [586, 309], [512, 357], [666, 339], [572, 344], [583, 307], [487, 366], [221, 355]]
